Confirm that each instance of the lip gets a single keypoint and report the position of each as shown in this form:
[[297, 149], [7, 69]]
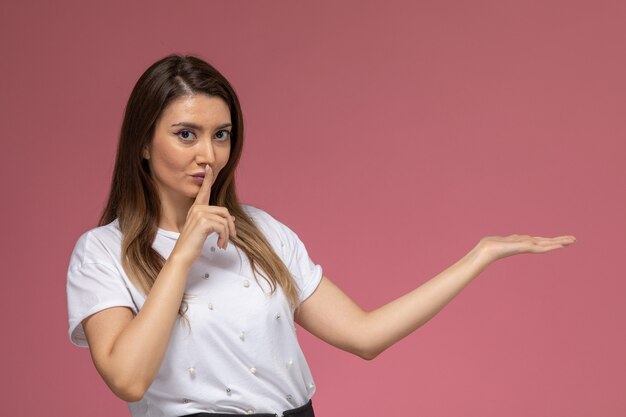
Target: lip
[[208, 170], [198, 177]]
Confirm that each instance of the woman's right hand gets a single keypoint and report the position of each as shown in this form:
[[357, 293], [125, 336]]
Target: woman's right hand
[[202, 220], [128, 350]]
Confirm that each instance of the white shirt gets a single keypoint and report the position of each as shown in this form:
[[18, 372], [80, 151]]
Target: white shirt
[[240, 353]]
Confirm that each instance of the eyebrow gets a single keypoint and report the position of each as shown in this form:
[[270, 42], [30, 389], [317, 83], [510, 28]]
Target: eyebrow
[[200, 128]]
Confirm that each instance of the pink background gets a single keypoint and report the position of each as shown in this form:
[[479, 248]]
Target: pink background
[[391, 136]]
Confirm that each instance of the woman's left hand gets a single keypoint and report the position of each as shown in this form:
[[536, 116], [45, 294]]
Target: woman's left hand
[[333, 317], [498, 247]]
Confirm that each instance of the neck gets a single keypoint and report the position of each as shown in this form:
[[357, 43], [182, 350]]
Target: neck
[[174, 214]]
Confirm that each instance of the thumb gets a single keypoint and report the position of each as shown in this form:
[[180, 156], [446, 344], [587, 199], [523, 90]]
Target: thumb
[[205, 189]]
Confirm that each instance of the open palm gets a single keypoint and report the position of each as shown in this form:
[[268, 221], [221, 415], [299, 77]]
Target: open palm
[[498, 247]]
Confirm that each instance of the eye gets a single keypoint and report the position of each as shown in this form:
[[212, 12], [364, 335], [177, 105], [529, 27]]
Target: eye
[[222, 135], [186, 135]]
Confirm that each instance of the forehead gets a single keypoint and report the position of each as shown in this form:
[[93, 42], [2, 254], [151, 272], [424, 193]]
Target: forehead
[[197, 108]]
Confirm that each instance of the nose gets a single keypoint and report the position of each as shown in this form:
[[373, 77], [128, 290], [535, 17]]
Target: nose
[[205, 154]]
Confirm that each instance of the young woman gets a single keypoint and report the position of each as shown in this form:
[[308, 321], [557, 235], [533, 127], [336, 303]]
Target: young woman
[[187, 298]]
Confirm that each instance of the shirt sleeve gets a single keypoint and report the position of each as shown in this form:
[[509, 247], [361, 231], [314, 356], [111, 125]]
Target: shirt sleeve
[[305, 271], [93, 285]]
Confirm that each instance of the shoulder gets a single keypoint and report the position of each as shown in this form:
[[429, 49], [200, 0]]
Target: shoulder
[[266, 222], [97, 245], [279, 235], [256, 213]]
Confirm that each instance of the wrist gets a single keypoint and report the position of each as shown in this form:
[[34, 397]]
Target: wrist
[[179, 261], [481, 255]]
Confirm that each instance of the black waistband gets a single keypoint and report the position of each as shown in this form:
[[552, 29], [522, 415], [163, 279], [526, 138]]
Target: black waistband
[[304, 411]]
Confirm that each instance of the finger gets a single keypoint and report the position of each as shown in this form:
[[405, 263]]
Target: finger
[[566, 240], [222, 230], [555, 239], [231, 225], [549, 242], [223, 211], [544, 249], [224, 236], [562, 239], [205, 189]]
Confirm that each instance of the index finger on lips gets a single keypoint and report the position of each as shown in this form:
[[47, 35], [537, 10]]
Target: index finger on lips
[[205, 189]]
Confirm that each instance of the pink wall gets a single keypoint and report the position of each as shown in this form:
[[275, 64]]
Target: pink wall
[[391, 136]]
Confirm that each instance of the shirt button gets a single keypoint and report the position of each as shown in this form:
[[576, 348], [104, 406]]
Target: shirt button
[[212, 248], [253, 370], [192, 372], [210, 306], [228, 390], [250, 412], [246, 283], [289, 398], [186, 400], [242, 336], [277, 316], [206, 276]]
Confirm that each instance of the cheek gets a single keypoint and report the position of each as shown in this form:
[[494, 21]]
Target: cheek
[[168, 163], [172, 163], [224, 161]]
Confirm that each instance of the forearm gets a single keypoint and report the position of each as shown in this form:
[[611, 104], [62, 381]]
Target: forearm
[[333, 317], [397, 319], [138, 351]]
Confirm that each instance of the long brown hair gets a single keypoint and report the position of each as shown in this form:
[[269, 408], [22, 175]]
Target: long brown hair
[[133, 198]]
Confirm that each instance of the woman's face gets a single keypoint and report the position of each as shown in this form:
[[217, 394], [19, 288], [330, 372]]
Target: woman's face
[[193, 131]]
